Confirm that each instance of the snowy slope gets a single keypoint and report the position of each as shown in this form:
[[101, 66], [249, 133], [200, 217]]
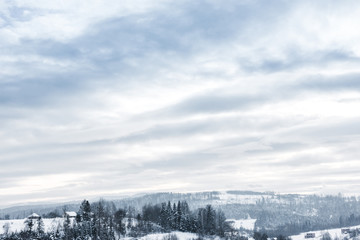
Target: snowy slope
[[247, 224], [163, 236], [228, 198], [335, 232], [16, 225]]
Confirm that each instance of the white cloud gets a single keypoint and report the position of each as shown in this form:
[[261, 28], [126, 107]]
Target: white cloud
[[190, 92]]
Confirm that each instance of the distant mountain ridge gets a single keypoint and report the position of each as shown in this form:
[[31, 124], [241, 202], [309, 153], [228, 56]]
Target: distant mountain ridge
[[195, 200]]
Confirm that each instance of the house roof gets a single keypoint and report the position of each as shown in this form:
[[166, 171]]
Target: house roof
[[71, 214], [33, 215]]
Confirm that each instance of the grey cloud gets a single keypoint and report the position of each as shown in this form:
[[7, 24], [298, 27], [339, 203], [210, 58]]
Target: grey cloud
[[138, 37], [185, 162], [38, 91], [49, 48], [301, 161], [329, 174], [333, 83], [327, 132], [214, 103], [296, 59], [280, 147], [188, 129], [52, 83]]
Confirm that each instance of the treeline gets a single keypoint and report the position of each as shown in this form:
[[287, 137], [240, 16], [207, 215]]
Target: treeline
[[102, 220], [178, 217], [294, 228], [292, 212], [264, 236]]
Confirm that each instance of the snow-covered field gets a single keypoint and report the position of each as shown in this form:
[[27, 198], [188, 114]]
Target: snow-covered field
[[230, 198], [244, 199], [161, 236], [16, 225], [335, 232], [247, 224]]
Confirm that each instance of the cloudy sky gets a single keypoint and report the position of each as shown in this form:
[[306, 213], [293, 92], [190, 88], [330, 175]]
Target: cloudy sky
[[122, 97]]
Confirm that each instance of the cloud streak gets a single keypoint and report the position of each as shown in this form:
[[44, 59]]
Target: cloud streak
[[188, 96]]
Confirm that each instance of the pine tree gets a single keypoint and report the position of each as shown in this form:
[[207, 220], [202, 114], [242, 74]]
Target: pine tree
[[178, 216], [173, 217], [29, 224], [83, 218], [99, 217], [118, 221], [210, 224], [40, 227], [169, 216], [220, 223], [163, 216], [185, 208], [201, 221], [94, 230], [67, 226]]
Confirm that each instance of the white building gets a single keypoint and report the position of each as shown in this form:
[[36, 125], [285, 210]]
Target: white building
[[70, 214], [33, 216]]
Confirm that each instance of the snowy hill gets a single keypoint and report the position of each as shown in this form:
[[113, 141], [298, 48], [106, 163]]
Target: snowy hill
[[334, 233], [195, 200]]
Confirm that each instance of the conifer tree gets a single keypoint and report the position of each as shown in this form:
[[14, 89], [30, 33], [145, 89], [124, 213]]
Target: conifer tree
[[201, 221], [29, 224], [210, 224], [220, 223], [169, 216], [173, 217], [67, 226], [178, 216], [119, 225], [163, 216], [40, 227]]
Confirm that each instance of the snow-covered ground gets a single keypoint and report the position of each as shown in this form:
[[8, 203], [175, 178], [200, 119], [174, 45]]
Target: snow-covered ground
[[240, 198], [335, 232], [231, 198], [16, 225], [51, 224], [163, 236], [247, 224]]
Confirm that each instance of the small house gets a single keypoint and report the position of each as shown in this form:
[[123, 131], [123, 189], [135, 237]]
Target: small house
[[309, 235], [33, 216], [70, 215], [345, 230]]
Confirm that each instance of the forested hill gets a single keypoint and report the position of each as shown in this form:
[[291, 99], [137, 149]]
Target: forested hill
[[195, 200], [289, 212], [272, 211]]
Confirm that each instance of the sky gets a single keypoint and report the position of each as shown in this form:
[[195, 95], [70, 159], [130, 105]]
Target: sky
[[123, 97]]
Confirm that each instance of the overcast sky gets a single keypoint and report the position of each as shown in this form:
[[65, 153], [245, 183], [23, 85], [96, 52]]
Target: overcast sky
[[106, 98]]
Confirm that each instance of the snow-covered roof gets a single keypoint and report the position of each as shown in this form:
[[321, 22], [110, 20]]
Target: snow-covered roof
[[71, 214], [33, 215]]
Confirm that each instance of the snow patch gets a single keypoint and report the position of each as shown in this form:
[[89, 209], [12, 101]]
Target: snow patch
[[335, 232], [17, 225], [161, 236], [247, 224]]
